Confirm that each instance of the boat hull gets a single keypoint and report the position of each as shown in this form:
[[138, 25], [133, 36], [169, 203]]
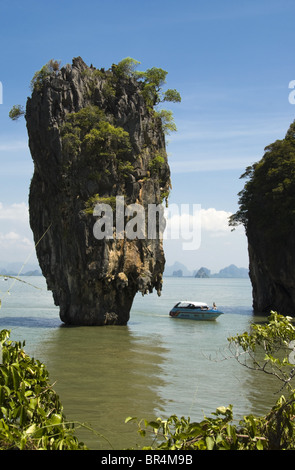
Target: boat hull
[[192, 314]]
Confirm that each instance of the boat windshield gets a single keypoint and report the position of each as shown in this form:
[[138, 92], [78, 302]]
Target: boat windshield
[[191, 305]]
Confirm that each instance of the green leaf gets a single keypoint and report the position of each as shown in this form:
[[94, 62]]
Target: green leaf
[[130, 418], [259, 445], [154, 424], [31, 429], [210, 443], [222, 410], [55, 419]]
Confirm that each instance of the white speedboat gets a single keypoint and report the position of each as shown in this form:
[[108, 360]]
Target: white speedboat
[[194, 311]]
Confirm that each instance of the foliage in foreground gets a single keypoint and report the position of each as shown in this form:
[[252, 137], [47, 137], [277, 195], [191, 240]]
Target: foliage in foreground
[[275, 431], [265, 348], [31, 415]]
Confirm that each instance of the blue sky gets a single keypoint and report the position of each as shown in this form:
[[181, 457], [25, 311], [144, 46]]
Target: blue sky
[[231, 61]]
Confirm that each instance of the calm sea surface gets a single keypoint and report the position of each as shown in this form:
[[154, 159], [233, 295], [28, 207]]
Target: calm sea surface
[[154, 366]]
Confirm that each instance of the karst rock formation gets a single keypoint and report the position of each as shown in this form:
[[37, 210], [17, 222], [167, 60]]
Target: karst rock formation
[[267, 208], [93, 138]]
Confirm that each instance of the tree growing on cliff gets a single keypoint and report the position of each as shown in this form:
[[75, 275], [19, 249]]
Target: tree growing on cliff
[[52, 66], [16, 112], [153, 80], [268, 197], [126, 67]]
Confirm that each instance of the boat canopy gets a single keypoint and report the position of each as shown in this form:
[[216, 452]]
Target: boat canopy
[[187, 304]]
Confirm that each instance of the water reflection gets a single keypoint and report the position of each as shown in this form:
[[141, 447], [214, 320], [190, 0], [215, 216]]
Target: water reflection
[[263, 397], [104, 375], [263, 388], [12, 322]]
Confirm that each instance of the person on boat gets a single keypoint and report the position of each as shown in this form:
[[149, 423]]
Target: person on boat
[[214, 306]]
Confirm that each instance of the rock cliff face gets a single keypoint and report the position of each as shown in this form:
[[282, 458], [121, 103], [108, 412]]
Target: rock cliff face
[[93, 138], [267, 210], [271, 269]]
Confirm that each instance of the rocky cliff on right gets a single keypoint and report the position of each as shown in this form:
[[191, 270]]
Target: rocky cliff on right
[[267, 211]]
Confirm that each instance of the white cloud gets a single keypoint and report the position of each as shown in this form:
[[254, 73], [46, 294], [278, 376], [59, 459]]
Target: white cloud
[[213, 220], [183, 217], [27, 241], [13, 146], [203, 238], [15, 247], [18, 212], [191, 225], [16, 239], [10, 236]]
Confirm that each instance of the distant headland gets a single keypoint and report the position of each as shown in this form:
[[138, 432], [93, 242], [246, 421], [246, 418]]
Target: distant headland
[[17, 268]]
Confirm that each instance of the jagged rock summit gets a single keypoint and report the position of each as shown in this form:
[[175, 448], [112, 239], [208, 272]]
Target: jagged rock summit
[[93, 137]]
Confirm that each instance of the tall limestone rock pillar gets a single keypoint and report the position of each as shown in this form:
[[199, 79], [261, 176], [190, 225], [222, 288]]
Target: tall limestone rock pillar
[[93, 138], [267, 210]]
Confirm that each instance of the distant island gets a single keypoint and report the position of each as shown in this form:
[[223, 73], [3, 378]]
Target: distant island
[[13, 269], [231, 271], [176, 270]]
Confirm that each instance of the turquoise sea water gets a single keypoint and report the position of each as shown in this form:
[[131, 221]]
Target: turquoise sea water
[[154, 366]]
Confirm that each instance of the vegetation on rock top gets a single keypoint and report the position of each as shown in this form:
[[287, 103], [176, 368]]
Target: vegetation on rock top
[[268, 197]]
